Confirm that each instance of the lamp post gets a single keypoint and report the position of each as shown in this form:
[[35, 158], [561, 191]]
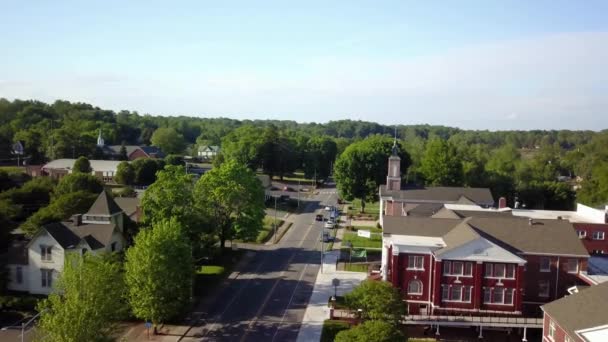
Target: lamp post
[[275, 219]]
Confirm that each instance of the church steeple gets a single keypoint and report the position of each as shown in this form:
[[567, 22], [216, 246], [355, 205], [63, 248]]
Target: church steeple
[[393, 179], [100, 142]]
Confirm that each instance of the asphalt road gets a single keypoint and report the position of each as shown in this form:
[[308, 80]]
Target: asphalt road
[[266, 302]]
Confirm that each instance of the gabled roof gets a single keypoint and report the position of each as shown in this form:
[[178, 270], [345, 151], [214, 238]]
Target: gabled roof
[[441, 194], [128, 205], [517, 235], [212, 148], [583, 310], [458, 236], [104, 205], [62, 234]]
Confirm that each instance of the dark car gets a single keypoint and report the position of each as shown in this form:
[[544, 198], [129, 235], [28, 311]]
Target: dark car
[[319, 218], [287, 188]]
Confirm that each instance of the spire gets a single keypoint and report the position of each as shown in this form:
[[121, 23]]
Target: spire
[[100, 142], [395, 148]]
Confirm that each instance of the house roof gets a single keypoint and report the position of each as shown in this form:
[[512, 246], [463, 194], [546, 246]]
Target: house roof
[[556, 237], [212, 148], [128, 204], [62, 234], [441, 194], [104, 205], [96, 165], [583, 310], [149, 150], [68, 235], [458, 236], [16, 253]]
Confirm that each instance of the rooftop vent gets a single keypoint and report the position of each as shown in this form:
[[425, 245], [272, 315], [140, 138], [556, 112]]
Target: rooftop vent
[[530, 221]]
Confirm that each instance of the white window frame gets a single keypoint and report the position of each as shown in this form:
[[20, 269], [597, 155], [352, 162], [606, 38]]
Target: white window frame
[[540, 264], [502, 296], [468, 269], [504, 271], [445, 293], [488, 291], [581, 234], [597, 251], [468, 291], [448, 265], [46, 253], [452, 292], [552, 330], [598, 235], [418, 262], [512, 296], [488, 268], [454, 272], [46, 277], [570, 262], [510, 267], [419, 284], [547, 293]]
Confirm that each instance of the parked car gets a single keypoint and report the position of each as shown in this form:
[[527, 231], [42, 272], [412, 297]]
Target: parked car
[[287, 188], [326, 237], [329, 225], [328, 208], [319, 218]]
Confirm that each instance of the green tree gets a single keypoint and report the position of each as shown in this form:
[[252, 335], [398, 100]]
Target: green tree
[[168, 140], [174, 159], [363, 166], [78, 182], [245, 145], [171, 195], [371, 331], [82, 165], [158, 272], [122, 154], [441, 164], [87, 303], [61, 208], [378, 300], [145, 170], [232, 198], [319, 157], [125, 173]]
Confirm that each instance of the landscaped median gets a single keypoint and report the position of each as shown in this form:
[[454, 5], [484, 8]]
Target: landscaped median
[[268, 229]]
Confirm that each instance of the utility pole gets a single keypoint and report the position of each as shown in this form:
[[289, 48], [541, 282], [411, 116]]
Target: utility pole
[[298, 193]]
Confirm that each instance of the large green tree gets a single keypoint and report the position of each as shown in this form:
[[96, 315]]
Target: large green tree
[[88, 301], [441, 164], [82, 165], [159, 271], [168, 140], [319, 156], [378, 300], [371, 331], [363, 166], [78, 182], [232, 199], [125, 173]]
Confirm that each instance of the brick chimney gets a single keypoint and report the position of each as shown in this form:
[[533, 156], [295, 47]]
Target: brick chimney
[[502, 203], [77, 219]]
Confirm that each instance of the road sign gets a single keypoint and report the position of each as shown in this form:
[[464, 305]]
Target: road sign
[[364, 233], [335, 282]]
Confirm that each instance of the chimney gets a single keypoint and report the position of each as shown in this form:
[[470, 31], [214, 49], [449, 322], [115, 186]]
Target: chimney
[[77, 219], [502, 203]]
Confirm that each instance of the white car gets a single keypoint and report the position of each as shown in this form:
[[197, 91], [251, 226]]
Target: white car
[[328, 208], [328, 225]]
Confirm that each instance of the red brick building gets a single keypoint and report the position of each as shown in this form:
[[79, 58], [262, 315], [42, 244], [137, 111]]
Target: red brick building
[[481, 265], [594, 237], [580, 317]]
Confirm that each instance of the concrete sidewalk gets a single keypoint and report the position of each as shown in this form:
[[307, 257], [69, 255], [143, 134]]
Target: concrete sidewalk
[[317, 310]]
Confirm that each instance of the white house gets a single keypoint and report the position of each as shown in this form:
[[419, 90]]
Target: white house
[[208, 152], [35, 265]]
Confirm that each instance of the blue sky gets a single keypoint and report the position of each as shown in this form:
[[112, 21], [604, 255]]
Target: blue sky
[[471, 64]]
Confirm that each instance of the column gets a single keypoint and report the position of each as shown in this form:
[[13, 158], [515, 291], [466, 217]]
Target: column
[[477, 290], [519, 284], [395, 265], [437, 283]]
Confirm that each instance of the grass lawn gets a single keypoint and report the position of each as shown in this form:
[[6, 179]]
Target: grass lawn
[[361, 242], [211, 274], [370, 207], [267, 229], [356, 267], [372, 229], [331, 328]]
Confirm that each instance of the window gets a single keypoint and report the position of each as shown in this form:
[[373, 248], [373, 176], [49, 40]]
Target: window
[[47, 277], [46, 253], [19, 274], [597, 251], [598, 235], [581, 234], [415, 262], [499, 270], [487, 295], [572, 266], [508, 296], [466, 294], [468, 269], [83, 251], [545, 265], [458, 268], [456, 294], [543, 288], [414, 287], [446, 267], [510, 271], [445, 292], [488, 270], [552, 330], [113, 247], [498, 295]]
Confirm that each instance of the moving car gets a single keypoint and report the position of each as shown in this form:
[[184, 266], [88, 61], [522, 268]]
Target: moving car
[[319, 218], [329, 225]]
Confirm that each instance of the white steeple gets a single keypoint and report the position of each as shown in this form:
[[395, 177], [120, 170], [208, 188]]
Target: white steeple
[[100, 142]]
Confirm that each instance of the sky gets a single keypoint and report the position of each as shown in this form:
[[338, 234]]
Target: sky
[[491, 64]]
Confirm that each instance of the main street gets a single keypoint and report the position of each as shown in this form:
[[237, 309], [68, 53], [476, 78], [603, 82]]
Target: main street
[[266, 302]]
